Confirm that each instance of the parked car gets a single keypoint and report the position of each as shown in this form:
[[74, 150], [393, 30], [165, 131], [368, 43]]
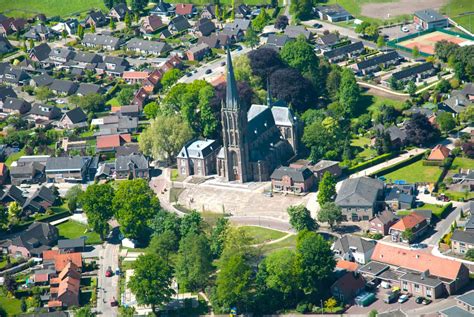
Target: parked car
[[117, 271], [208, 71], [108, 272], [419, 299], [426, 301], [317, 25], [223, 64], [113, 302], [418, 245], [403, 298], [391, 296]]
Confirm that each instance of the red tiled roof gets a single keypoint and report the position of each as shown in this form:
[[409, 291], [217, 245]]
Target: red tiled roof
[[112, 141], [55, 303], [61, 260], [50, 254], [184, 8], [42, 277], [347, 265], [439, 153], [134, 75], [2, 168], [419, 261], [408, 222]]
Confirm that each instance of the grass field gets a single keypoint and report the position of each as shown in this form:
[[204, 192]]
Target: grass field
[[436, 209], [27, 8], [73, 229], [366, 153], [15, 156], [288, 243], [462, 162], [416, 172], [261, 235], [355, 7], [12, 306], [373, 103], [455, 8]]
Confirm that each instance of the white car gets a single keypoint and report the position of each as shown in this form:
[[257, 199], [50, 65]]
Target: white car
[[405, 29], [403, 298], [60, 101]]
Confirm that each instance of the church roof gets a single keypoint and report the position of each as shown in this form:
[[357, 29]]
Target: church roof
[[232, 95], [198, 149], [283, 116]]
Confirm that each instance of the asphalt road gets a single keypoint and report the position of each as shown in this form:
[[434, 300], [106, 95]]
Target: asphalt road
[[109, 257]]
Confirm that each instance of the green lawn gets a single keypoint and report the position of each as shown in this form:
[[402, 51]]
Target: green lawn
[[261, 235], [288, 243], [113, 102], [462, 162], [436, 209], [28, 8], [415, 172], [458, 196], [73, 229], [373, 103], [365, 153], [456, 7], [12, 306], [15, 156], [4, 262]]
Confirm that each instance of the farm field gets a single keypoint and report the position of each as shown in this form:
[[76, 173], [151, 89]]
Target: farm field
[[416, 172], [461, 11], [28, 8]]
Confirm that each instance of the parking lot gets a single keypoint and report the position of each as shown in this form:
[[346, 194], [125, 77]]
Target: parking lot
[[394, 32]]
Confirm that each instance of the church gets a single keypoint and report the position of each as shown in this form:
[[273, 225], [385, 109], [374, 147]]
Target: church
[[254, 142]]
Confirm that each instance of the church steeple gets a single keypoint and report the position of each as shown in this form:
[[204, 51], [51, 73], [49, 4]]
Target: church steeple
[[232, 95]]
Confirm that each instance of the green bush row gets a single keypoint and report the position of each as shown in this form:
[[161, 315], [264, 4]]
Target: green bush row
[[369, 163], [24, 225]]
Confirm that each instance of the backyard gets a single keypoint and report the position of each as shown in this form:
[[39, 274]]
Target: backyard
[[416, 173], [73, 229], [362, 144], [12, 306], [462, 162]]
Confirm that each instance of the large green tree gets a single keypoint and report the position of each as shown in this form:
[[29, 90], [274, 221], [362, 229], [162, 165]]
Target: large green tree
[[446, 121], [300, 218], [97, 204], [327, 189], [194, 262], [164, 244], [171, 77], [191, 223], [330, 213], [135, 204], [218, 236], [151, 281], [349, 92]]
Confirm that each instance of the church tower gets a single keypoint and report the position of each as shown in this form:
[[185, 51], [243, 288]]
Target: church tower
[[234, 126]]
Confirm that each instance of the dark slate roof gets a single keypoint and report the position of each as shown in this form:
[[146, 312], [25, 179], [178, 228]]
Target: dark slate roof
[[206, 26], [455, 311], [43, 80], [463, 236], [76, 115], [180, 23], [42, 51], [238, 24], [425, 213], [348, 241], [467, 298], [297, 174], [7, 92], [198, 149], [470, 223], [334, 11], [102, 40], [421, 278], [412, 71], [394, 132], [162, 7], [138, 161], [97, 16], [62, 52], [86, 57], [38, 235], [151, 46], [346, 49], [71, 243], [14, 103], [386, 217], [329, 39], [5, 45], [64, 86], [75, 163], [86, 89], [14, 193], [278, 40], [121, 9], [360, 191], [115, 60], [374, 268], [52, 112], [429, 15], [379, 59], [293, 31]]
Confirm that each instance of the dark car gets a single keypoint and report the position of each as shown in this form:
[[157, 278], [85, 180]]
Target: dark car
[[426, 301], [208, 71], [419, 300], [113, 302], [317, 25], [223, 64], [188, 74]]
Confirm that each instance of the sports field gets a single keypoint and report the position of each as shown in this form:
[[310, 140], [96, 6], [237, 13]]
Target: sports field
[[426, 43]]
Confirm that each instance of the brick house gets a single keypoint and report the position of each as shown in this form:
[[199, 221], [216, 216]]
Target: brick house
[[462, 241], [292, 180], [348, 286], [439, 153], [414, 222], [382, 222], [197, 53], [198, 158]]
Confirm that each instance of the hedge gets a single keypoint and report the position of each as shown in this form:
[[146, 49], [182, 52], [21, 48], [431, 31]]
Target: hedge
[[432, 163], [445, 211], [399, 165], [54, 217], [369, 163]]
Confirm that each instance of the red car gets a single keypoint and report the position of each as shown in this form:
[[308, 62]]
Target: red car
[[109, 272]]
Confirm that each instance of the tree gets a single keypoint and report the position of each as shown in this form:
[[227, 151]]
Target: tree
[[80, 32], [127, 19], [380, 41], [4, 224], [330, 303], [151, 282], [373, 313], [14, 212], [171, 77], [261, 20], [72, 196], [126, 311], [97, 204], [166, 221], [330, 213], [468, 149], [31, 44], [470, 254], [90, 102], [125, 96], [151, 110], [411, 88], [281, 22], [92, 28], [9, 283], [23, 306], [333, 81], [194, 262], [218, 236], [315, 263], [349, 92], [300, 218], [191, 223], [301, 9], [327, 189], [251, 38], [446, 121], [165, 136], [419, 130], [109, 4], [164, 244], [134, 204], [43, 93], [264, 61], [112, 24], [408, 235], [415, 52]]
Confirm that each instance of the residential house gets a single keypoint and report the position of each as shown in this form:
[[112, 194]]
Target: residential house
[[459, 100], [96, 18], [464, 306], [11, 194], [373, 64], [430, 19], [198, 52], [60, 56], [67, 169], [414, 222], [141, 96], [27, 173], [3, 173], [40, 113], [63, 87], [416, 272], [119, 11], [69, 26], [204, 27], [347, 287], [396, 200], [132, 166], [398, 136], [151, 24], [134, 77], [112, 66], [327, 41], [292, 180], [382, 222], [462, 241], [16, 105], [321, 167], [344, 52], [425, 213], [346, 266], [333, 13], [128, 111], [277, 41], [198, 158], [179, 24], [215, 40], [208, 12], [5, 92], [108, 143], [39, 32], [71, 245], [86, 60], [439, 153], [243, 11], [39, 201], [40, 52], [415, 73], [185, 9], [295, 31], [353, 248], [5, 26], [75, 118], [65, 288], [5, 46], [148, 47], [87, 89], [359, 198], [163, 9], [38, 237], [116, 123], [107, 42], [18, 25], [15, 76]]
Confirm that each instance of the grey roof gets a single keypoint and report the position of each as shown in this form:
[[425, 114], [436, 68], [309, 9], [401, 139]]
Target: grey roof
[[71, 243], [7, 92], [52, 112], [150, 46], [379, 59], [467, 298], [76, 115], [43, 80], [232, 95], [102, 40], [460, 99], [429, 15], [121, 9], [58, 164], [98, 17], [205, 26], [163, 7], [293, 31], [421, 278], [334, 11], [85, 89], [323, 164], [297, 174], [394, 132], [41, 51], [346, 242], [412, 71], [64, 86], [425, 213], [278, 40], [5, 45], [360, 191], [135, 161], [198, 149], [115, 60], [346, 49], [86, 57], [238, 24], [62, 53], [455, 311], [199, 48], [37, 237], [283, 116], [15, 103], [180, 23], [393, 313], [14, 193], [374, 268], [463, 236], [329, 39]]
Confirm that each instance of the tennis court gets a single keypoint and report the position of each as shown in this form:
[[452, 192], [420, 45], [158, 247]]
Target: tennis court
[[426, 42]]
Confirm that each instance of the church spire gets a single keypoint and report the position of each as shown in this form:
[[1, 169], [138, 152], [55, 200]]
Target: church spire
[[232, 95], [269, 94]]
